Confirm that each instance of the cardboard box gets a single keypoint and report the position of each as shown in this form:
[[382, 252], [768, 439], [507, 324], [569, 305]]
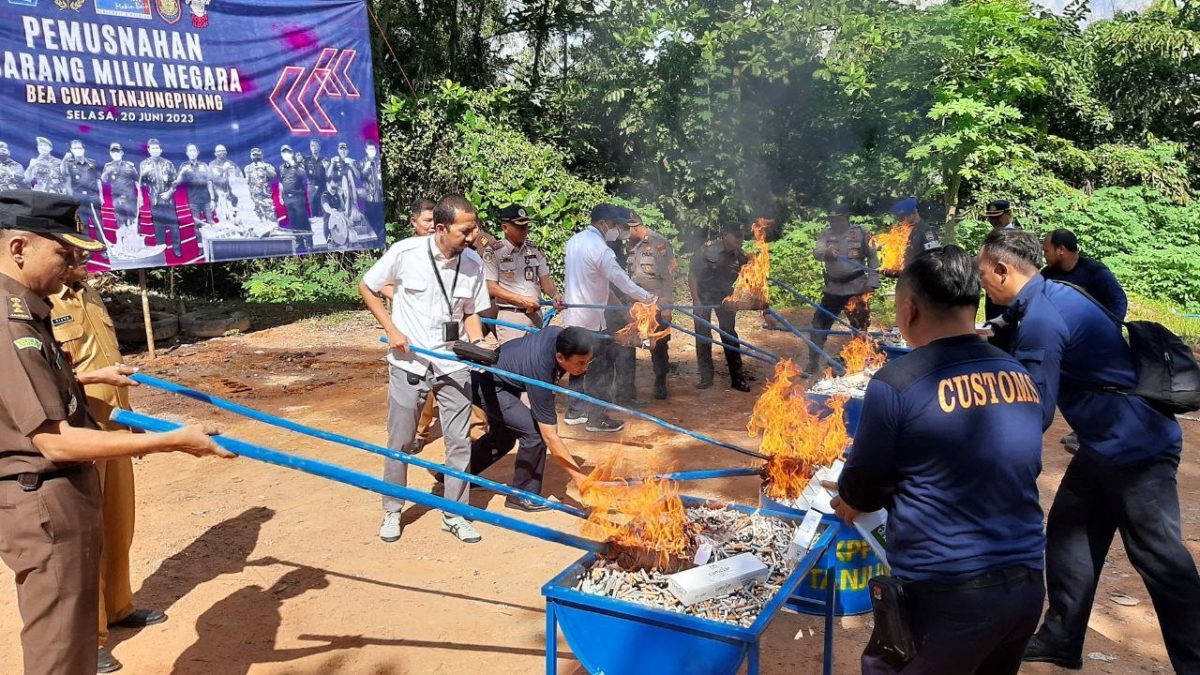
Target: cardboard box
[[715, 579]]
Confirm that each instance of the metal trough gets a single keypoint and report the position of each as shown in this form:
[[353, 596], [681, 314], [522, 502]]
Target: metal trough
[[615, 637]]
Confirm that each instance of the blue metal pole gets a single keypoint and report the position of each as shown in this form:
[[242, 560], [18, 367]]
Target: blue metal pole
[[811, 345], [507, 324], [365, 482], [175, 388], [584, 397], [709, 338], [627, 307], [854, 263], [725, 334]]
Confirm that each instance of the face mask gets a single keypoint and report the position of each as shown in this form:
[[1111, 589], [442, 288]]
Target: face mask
[[371, 152], [77, 152], [287, 157], [116, 156], [155, 151], [612, 234]]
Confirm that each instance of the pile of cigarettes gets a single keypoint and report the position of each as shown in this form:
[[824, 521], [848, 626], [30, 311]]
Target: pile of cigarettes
[[850, 386], [742, 561]]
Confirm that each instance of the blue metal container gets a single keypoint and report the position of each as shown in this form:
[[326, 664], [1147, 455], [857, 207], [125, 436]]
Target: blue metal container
[[614, 637], [894, 353], [850, 413], [851, 563]]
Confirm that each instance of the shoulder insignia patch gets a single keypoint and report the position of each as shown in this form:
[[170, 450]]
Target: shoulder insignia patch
[[66, 318], [494, 245], [28, 343], [18, 309]]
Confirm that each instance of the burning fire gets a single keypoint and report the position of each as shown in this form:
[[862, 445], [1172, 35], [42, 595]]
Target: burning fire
[[862, 353], [751, 288], [640, 516], [891, 245], [859, 303], [796, 440], [643, 326]]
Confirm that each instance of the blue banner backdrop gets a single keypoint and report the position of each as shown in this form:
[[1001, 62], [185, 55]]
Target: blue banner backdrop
[[197, 130]]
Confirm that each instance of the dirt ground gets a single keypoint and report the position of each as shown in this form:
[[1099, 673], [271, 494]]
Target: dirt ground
[[263, 570]]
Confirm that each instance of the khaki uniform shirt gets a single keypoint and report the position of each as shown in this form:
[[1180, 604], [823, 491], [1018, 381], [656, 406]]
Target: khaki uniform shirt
[[38, 383], [517, 270], [651, 265], [85, 331]]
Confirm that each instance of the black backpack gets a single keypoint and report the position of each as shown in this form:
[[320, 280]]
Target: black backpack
[[1168, 377]]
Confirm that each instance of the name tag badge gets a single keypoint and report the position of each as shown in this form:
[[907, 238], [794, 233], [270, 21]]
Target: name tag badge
[[530, 274], [61, 320]]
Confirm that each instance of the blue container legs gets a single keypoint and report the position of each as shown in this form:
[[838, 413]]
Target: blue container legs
[[848, 566], [614, 637]]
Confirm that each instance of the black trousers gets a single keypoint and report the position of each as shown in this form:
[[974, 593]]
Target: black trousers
[[510, 422], [166, 221], [859, 316], [1141, 501], [978, 631], [597, 383], [626, 366], [727, 321]]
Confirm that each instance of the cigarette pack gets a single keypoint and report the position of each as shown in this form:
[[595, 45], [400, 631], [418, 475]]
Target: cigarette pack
[[715, 579], [873, 528], [817, 496], [803, 538]]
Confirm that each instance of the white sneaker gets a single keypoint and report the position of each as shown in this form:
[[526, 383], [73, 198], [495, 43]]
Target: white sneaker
[[392, 528], [577, 420], [462, 528]]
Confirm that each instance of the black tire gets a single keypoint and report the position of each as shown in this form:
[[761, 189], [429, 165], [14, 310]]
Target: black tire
[[210, 323], [131, 329]]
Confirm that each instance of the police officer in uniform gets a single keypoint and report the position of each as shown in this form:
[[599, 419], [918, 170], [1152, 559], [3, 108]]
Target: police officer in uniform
[[517, 275], [121, 177], [259, 175], [950, 443], [157, 175], [315, 166], [850, 277], [45, 172], [711, 277], [84, 329], [49, 490], [224, 170], [999, 215], [293, 192], [83, 183], [371, 169], [198, 178], [12, 176], [651, 264], [342, 169]]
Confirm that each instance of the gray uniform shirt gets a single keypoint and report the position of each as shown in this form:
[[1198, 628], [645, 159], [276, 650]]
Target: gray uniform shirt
[[841, 277], [517, 270], [651, 265]]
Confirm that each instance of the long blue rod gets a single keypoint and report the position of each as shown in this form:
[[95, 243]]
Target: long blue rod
[[531, 329], [583, 397], [628, 307], [737, 340], [854, 263], [818, 331], [365, 482], [811, 345], [704, 474], [176, 388], [709, 338], [815, 305]]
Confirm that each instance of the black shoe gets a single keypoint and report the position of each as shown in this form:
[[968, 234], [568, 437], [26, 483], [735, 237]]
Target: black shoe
[[1038, 651], [524, 505], [660, 390], [106, 662], [704, 384], [740, 385], [605, 425], [140, 618]]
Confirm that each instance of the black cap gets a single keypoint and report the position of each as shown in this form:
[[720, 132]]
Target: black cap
[[514, 214], [286, 148], [116, 147], [997, 208], [256, 151], [839, 209], [343, 146], [153, 141], [609, 212], [45, 213]]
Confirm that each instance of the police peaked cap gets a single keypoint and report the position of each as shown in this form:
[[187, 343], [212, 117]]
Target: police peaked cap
[[514, 214], [45, 213]]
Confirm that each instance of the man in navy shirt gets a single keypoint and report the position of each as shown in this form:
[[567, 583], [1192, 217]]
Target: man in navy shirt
[[1123, 477], [1063, 263], [950, 443], [544, 356]]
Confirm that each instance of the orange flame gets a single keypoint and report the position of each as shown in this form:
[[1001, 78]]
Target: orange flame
[[862, 353], [643, 326], [796, 439], [751, 287], [892, 245], [859, 303], [637, 513]]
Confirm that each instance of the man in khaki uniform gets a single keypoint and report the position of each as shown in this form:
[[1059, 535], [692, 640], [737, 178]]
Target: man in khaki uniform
[[84, 329], [517, 275], [651, 265], [49, 490]]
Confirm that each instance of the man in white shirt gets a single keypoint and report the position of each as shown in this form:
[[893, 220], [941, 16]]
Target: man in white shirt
[[439, 291], [591, 267]]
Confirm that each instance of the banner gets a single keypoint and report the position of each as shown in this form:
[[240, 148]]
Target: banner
[[196, 131]]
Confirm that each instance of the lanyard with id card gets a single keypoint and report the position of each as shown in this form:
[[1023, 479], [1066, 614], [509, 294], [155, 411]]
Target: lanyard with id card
[[450, 329]]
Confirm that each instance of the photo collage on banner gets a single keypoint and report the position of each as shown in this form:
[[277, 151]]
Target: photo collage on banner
[[196, 131]]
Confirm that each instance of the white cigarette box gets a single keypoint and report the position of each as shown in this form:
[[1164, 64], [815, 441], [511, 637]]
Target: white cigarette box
[[803, 538], [715, 579]]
